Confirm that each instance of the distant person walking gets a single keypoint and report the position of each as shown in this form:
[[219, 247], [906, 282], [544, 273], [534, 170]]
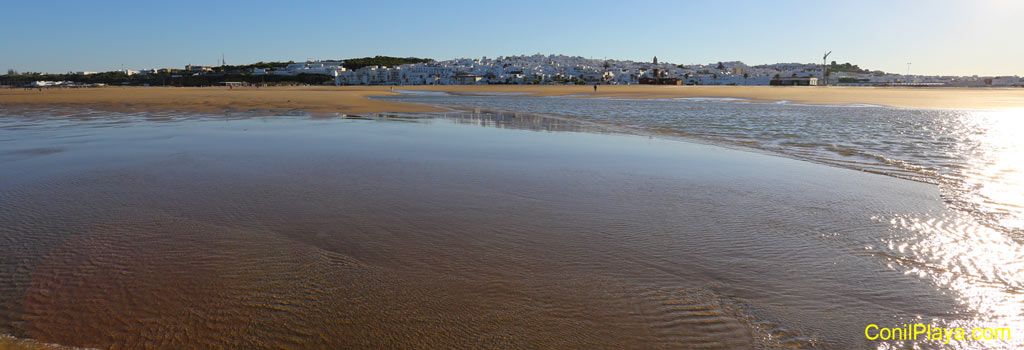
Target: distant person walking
[[595, 87]]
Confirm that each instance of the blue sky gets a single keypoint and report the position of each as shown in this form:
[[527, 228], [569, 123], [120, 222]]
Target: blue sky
[[938, 37]]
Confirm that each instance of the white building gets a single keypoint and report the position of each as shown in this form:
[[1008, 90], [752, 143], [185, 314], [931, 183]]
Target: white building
[[561, 69], [311, 67]]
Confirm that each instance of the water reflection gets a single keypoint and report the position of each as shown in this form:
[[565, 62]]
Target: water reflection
[[974, 156], [498, 119], [993, 177], [270, 228], [984, 267], [981, 260]]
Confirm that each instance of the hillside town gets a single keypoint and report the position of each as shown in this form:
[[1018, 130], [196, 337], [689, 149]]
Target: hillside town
[[561, 69]]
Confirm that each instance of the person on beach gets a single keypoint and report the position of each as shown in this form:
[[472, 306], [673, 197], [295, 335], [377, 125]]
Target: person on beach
[[595, 87]]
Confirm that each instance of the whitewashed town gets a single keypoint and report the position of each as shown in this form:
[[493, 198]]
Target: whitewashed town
[[561, 69]]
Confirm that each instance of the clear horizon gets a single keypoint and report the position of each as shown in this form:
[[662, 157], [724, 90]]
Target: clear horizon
[[937, 37]]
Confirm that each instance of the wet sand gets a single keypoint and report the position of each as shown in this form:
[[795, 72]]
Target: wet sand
[[123, 232], [962, 98], [353, 99], [349, 100]]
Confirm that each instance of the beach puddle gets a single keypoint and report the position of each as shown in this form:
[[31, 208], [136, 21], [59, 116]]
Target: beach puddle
[[468, 229]]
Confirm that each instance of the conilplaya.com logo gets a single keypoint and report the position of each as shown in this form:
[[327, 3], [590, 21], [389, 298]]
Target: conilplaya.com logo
[[922, 332]]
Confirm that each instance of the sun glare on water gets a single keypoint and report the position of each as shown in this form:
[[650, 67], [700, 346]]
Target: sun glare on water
[[995, 177], [981, 261]]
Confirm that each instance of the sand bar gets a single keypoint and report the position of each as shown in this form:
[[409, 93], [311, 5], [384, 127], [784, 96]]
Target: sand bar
[[352, 99]]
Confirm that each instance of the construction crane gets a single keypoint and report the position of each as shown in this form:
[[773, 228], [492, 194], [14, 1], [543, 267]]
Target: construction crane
[[824, 68]]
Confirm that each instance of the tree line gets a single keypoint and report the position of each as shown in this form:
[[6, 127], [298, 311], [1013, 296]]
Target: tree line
[[167, 79], [219, 74], [351, 63], [846, 67]]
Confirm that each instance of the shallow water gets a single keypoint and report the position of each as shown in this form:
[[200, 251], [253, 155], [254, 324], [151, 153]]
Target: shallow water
[[465, 230], [976, 157]]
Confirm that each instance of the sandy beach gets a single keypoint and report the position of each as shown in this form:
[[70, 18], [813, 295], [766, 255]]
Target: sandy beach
[[312, 233], [353, 99], [377, 175], [893, 97], [155, 228]]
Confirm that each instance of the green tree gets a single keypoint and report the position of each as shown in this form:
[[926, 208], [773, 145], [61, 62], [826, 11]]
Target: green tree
[[383, 61]]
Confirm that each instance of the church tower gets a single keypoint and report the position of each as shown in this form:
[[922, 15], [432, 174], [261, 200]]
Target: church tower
[[655, 59]]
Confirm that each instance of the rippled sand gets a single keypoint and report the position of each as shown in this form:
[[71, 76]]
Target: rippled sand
[[398, 231]]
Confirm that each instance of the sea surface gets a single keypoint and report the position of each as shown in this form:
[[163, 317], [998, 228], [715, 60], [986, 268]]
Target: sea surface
[[571, 223], [976, 157]]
